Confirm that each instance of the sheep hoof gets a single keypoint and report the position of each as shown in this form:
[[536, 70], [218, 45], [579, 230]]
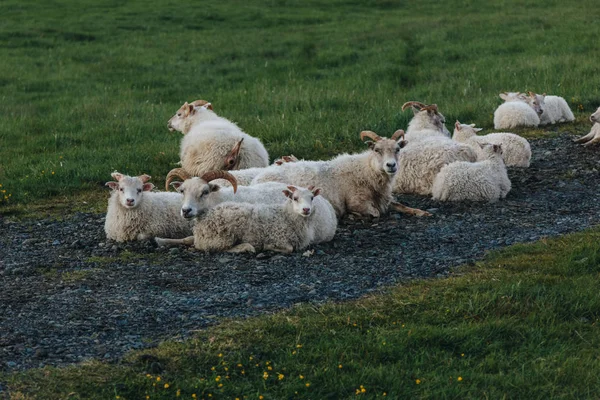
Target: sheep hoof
[[242, 248], [408, 210]]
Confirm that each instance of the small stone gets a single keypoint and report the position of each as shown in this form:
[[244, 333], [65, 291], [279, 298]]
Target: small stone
[[41, 353], [261, 256], [224, 260], [11, 364], [174, 251], [308, 253], [56, 243]]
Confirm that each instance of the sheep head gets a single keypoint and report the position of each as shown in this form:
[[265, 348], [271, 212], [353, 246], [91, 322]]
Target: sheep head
[[426, 116], [130, 189], [183, 119], [384, 152], [463, 131], [197, 192], [232, 160], [595, 117], [302, 199], [285, 159], [536, 101]]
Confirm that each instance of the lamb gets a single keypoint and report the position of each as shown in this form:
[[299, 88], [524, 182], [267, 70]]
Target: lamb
[[592, 138], [201, 194], [136, 213], [210, 139], [245, 227], [420, 161], [353, 183], [516, 151], [485, 180], [555, 108], [516, 111]]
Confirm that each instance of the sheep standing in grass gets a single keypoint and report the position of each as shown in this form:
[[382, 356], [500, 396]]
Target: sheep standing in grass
[[136, 213], [555, 108], [353, 183], [421, 160], [201, 194], [245, 227], [209, 141], [592, 138], [484, 180], [516, 111], [516, 151]]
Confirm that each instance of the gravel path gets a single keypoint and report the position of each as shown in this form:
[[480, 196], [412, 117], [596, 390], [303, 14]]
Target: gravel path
[[67, 295]]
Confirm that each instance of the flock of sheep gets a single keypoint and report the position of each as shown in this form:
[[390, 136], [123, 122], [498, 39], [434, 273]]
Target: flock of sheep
[[229, 199]]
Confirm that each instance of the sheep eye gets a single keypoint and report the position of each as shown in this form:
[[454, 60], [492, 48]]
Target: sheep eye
[[181, 191], [139, 190], [204, 192], [179, 114], [120, 189], [397, 149], [378, 151]]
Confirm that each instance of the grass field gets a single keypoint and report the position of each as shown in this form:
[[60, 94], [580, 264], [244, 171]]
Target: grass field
[[87, 87]]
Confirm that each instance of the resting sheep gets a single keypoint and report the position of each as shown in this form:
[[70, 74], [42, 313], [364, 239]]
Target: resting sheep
[[555, 108], [517, 110], [136, 213], [420, 161], [516, 151], [353, 183], [484, 180], [210, 139], [592, 138], [241, 227], [201, 194]]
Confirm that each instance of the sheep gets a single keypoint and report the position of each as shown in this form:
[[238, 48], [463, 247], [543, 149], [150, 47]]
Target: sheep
[[517, 110], [200, 194], [427, 122], [420, 161], [555, 108], [593, 137], [245, 227], [516, 151], [353, 183], [484, 180], [210, 139], [136, 213]]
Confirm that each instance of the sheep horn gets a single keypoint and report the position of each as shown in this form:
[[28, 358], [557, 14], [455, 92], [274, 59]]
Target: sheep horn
[[212, 175], [370, 134], [398, 134], [432, 107], [412, 104], [176, 173]]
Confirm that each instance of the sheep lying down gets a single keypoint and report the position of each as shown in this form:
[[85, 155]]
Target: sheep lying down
[[245, 227]]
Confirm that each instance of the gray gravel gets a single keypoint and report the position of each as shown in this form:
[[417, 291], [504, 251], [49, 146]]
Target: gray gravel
[[68, 295]]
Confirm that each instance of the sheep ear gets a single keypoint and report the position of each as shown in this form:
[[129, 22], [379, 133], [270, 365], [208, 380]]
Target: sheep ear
[[292, 188], [176, 184], [370, 143], [148, 187], [117, 176], [478, 129], [544, 94], [232, 159], [214, 187], [457, 126], [287, 193], [402, 143], [497, 148], [503, 96], [190, 109], [207, 106], [316, 191], [112, 185]]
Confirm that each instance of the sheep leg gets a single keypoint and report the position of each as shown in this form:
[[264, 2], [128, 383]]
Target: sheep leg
[[410, 211], [585, 138], [286, 249], [594, 141], [242, 248], [188, 241]]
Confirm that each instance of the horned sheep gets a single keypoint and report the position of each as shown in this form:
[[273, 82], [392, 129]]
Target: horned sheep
[[353, 183], [484, 180], [210, 139], [516, 151], [516, 112], [428, 150], [245, 227], [136, 213], [592, 138]]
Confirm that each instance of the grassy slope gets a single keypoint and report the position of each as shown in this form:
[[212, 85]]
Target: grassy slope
[[87, 87], [520, 324]]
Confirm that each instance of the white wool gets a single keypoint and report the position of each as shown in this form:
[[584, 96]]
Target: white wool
[[592, 138], [555, 110], [513, 114]]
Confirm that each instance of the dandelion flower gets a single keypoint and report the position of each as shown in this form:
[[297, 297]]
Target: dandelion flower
[[384, 394], [166, 385], [220, 354], [459, 378], [307, 384], [178, 393], [462, 354], [220, 385], [158, 379], [270, 368], [340, 366], [261, 397], [218, 378], [212, 368], [418, 381], [280, 376], [301, 376], [265, 375], [193, 395], [299, 346]]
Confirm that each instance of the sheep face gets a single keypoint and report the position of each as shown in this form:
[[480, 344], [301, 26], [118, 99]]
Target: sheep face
[[432, 117], [595, 117], [536, 101], [464, 131], [130, 189], [513, 96], [384, 154], [183, 119], [302, 199], [197, 198]]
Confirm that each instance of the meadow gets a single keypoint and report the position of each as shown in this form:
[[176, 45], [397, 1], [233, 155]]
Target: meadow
[[87, 87]]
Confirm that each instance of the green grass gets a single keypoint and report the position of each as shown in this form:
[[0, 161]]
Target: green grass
[[520, 324], [86, 87]]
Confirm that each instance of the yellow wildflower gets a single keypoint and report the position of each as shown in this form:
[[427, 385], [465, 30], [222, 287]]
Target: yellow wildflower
[[220, 385], [301, 376], [265, 375], [166, 385], [459, 378], [280, 376], [462, 354], [193, 395], [340, 366], [384, 394], [299, 346], [307, 384], [220, 354], [178, 393], [270, 368], [418, 381], [261, 397], [158, 379]]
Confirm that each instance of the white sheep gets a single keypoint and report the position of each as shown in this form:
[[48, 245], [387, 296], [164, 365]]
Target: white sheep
[[484, 180], [592, 138], [421, 160], [516, 111], [136, 213], [201, 194], [353, 183], [555, 108], [245, 227], [209, 141], [516, 150]]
